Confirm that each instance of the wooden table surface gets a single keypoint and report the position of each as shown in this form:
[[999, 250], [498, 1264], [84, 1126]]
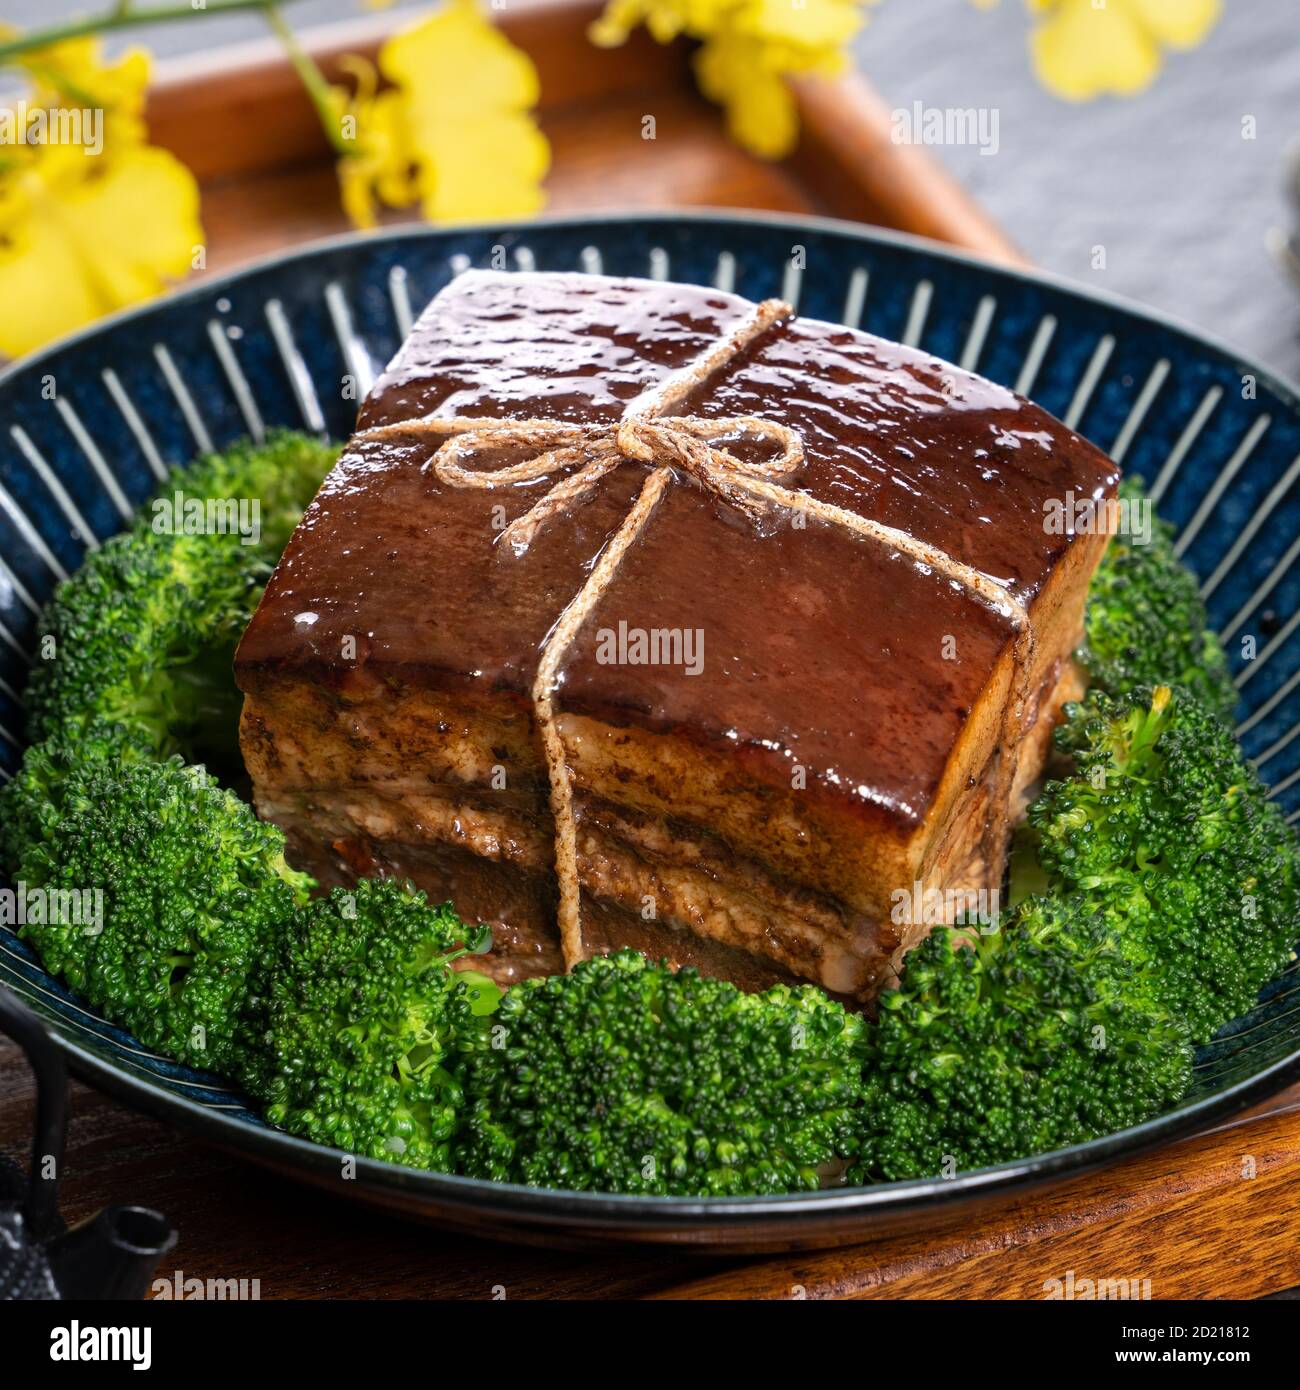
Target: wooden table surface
[[1211, 1216], [1204, 1218]]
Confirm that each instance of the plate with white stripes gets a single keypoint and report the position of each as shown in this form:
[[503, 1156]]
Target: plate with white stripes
[[89, 427]]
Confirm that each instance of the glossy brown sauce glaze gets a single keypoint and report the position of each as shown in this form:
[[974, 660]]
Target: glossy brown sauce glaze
[[407, 569], [806, 648], [905, 439], [567, 347]]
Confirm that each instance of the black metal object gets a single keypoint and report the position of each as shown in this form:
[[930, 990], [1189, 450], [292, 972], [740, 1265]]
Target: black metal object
[[112, 1255]]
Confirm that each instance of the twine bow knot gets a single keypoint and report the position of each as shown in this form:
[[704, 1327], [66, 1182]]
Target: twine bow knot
[[688, 443]]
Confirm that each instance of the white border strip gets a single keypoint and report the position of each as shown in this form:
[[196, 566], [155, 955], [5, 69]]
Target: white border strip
[[239, 387], [97, 460], [1185, 441], [1038, 346], [792, 283], [1278, 491], [1226, 474], [399, 291], [1268, 706], [1258, 597], [979, 332], [1284, 784], [135, 423], [1277, 745], [355, 357], [7, 637], [855, 297], [30, 534], [1128, 430], [1088, 383], [724, 277], [189, 410], [304, 389], [918, 313], [9, 580], [1262, 660], [80, 526]]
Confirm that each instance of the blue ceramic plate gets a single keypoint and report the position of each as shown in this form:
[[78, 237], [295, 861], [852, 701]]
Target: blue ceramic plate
[[1217, 439]]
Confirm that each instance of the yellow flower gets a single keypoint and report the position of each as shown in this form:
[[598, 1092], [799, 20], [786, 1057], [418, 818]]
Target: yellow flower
[[748, 49], [761, 115], [1083, 48], [74, 72], [468, 92], [453, 133], [380, 162], [803, 38], [85, 233], [665, 19], [80, 240]]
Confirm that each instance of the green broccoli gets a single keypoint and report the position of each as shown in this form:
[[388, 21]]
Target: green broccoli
[[191, 891], [1145, 621], [34, 797], [282, 474], [143, 634], [1168, 833], [134, 666], [1013, 1043], [367, 1024], [624, 1076]]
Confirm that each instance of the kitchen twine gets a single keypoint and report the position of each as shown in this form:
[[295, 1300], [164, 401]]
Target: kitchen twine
[[648, 433]]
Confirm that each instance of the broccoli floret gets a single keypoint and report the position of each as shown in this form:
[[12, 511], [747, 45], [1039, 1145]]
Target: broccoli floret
[[1008, 1044], [1168, 833], [134, 666], [282, 475], [33, 799], [1145, 621], [367, 1024], [143, 634], [194, 891], [624, 1076]]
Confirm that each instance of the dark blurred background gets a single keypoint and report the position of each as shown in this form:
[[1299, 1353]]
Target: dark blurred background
[[1164, 181]]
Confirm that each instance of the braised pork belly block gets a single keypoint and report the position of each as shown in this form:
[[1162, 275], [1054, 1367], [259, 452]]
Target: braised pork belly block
[[637, 614]]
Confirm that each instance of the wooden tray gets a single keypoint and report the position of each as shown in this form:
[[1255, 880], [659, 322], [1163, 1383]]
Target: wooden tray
[[239, 118]]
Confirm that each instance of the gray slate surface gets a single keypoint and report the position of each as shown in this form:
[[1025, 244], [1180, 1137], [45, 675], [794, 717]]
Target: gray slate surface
[[1166, 183]]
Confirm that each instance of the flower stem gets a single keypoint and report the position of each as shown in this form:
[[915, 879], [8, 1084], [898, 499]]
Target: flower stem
[[312, 79], [125, 15], [122, 16]]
